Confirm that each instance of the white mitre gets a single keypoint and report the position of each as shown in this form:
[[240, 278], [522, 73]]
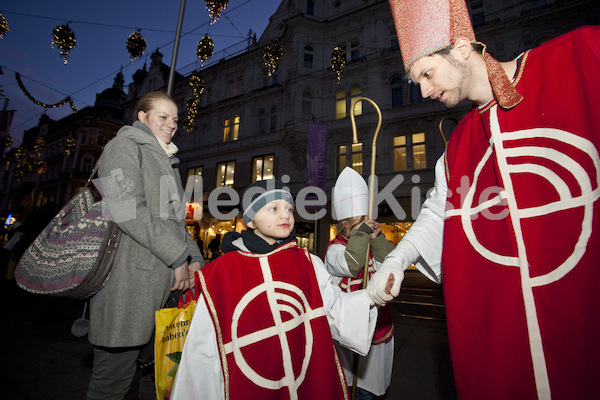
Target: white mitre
[[350, 195]]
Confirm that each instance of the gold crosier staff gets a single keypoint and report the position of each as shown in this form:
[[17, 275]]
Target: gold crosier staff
[[370, 213]]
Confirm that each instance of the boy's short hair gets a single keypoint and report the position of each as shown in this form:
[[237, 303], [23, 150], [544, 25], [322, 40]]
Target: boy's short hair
[[257, 195]]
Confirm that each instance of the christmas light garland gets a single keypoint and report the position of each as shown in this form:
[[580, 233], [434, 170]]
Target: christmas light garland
[[39, 103]]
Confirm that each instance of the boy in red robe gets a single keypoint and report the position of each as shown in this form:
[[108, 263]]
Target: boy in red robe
[[264, 325]]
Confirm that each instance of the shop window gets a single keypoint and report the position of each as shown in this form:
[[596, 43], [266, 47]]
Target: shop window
[[340, 104]]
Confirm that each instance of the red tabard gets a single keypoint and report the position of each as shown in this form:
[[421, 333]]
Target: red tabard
[[384, 330], [273, 336], [521, 246]]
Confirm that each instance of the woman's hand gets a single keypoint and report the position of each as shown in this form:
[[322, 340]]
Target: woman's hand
[[182, 277], [193, 267]]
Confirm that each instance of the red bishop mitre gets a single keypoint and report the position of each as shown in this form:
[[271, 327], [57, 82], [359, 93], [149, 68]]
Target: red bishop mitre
[[426, 26]]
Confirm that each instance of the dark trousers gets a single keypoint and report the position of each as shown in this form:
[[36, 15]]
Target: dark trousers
[[114, 369]]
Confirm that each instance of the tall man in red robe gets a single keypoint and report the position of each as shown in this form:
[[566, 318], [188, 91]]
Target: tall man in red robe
[[514, 218]]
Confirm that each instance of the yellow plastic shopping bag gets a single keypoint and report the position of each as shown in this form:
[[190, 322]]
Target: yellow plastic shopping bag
[[172, 326]]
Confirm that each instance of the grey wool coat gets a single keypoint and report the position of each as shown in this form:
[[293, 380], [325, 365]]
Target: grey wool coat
[[154, 240]]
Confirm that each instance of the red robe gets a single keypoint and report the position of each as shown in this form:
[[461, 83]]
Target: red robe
[[273, 336], [521, 253]]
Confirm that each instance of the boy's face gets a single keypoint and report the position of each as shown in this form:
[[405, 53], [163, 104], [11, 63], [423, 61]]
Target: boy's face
[[274, 221]]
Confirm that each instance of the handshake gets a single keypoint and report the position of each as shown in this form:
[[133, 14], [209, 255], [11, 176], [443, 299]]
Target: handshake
[[384, 284]]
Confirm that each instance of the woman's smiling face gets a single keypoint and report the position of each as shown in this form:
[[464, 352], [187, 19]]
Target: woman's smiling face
[[161, 119]]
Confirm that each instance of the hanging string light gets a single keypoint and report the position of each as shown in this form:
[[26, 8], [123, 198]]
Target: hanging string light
[[197, 83], [70, 145], [136, 45], [205, 49], [42, 167], [215, 8], [9, 142], [38, 146], [64, 38], [338, 62], [39, 103], [272, 54], [192, 112], [4, 28]]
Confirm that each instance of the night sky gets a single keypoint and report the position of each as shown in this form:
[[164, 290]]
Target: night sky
[[101, 29]]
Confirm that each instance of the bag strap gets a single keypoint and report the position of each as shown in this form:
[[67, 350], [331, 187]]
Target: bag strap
[[98, 166]]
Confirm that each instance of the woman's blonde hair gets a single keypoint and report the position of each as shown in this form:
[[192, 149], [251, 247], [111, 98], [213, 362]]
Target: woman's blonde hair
[[346, 226], [146, 102]]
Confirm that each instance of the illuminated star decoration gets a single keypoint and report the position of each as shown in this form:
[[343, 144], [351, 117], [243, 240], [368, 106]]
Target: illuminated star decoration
[[272, 54], [64, 38], [136, 45], [338, 62], [3, 26], [215, 8], [205, 49]]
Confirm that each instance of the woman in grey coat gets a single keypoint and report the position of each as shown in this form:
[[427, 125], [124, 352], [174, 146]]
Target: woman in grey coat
[[142, 190]]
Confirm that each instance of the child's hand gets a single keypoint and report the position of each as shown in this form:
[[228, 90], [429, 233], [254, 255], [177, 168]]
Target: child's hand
[[374, 225], [389, 284]]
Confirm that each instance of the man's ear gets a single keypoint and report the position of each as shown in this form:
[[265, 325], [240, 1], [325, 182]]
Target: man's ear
[[463, 48], [251, 225]]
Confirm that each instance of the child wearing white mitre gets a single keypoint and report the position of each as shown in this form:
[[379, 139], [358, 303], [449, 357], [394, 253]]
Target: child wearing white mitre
[[345, 259], [264, 324]]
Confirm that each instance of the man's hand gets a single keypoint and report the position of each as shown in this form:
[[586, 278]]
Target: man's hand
[[384, 285], [182, 277]]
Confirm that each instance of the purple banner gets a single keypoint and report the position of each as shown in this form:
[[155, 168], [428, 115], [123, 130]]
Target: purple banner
[[316, 155]]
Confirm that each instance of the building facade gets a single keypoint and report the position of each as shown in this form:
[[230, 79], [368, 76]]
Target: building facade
[[248, 125]]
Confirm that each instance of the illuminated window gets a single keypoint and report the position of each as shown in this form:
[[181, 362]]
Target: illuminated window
[[225, 174], [340, 104], [354, 93], [194, 171], [352, 153], [409, 152], [226, 129], [236, 127], [262, 168]]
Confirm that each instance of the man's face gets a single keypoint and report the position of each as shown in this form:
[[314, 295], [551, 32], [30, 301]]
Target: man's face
[[444, 78]]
